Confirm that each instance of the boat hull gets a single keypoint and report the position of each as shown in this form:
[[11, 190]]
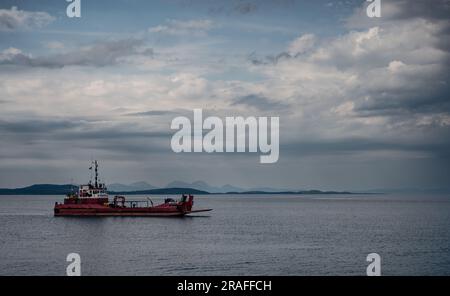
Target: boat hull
[[128, 212], [122, 214]]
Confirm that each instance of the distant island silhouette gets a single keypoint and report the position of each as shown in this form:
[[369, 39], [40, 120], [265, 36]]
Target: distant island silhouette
[[54, 189]]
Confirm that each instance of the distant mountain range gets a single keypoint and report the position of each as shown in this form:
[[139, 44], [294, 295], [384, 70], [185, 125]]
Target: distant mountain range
[[176, 187], [52, 189], [199, 185], [44, 189]]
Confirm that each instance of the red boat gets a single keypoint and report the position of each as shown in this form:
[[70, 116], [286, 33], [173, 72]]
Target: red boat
[[92, 200]]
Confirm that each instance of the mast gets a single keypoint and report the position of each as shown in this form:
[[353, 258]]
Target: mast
[[96, 173]]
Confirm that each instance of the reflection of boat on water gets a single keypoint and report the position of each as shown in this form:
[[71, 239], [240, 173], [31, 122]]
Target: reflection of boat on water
[[92, 200]]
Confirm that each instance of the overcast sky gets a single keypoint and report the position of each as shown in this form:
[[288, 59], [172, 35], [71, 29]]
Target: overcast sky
[[363, 103]]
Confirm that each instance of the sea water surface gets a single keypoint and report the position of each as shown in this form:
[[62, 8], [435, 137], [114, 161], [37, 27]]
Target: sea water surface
[[243, 235]]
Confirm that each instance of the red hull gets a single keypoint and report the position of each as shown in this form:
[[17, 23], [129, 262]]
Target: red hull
[[100, 207], [130, 212]]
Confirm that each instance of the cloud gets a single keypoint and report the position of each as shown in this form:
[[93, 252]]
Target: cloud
[[362, 145], [100, 54], [245, 7], [152, 113], [373, 93], [400, 10], [268, 59], [384, 71], [301, 44], [14, 19], [297, 47], [36, 126], [81, 133], [56, 45], [259, 102], [119, 132], [242, 7], [179, 27]]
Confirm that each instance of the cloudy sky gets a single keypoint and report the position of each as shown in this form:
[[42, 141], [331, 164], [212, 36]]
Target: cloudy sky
[[363, 103]]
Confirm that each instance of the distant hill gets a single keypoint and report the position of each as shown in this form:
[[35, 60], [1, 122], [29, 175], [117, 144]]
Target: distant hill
[[140, 188], [44, 189], [306, 192], [52, 189], [436, 190], [143, 188], [174, 190], [270, 189], [200, 185]]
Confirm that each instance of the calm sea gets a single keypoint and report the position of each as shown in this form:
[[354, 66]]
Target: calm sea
[[244, 235]]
